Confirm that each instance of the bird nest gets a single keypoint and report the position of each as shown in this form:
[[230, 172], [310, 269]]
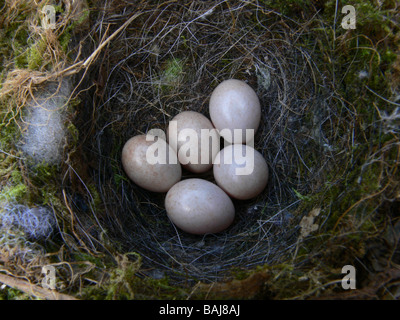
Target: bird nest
[[169, 60], [331, 147]]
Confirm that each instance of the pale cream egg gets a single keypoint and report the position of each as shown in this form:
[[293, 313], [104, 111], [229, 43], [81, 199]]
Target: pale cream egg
[[198, 206], [152, 165], [195, 139], [241, 171], [234, 105]]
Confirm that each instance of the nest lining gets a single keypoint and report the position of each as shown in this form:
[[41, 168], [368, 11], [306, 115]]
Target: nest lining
[[168, 61]]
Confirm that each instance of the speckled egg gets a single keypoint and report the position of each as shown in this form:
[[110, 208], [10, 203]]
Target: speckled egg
[[241, 171], [195, 139], [141, 168], [198, 206], [235, 105]]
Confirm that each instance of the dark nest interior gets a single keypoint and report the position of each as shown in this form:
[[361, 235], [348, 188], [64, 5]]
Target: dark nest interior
[[169, 60]]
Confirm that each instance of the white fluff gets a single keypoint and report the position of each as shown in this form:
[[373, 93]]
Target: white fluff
[[44, 129], [36, 222]]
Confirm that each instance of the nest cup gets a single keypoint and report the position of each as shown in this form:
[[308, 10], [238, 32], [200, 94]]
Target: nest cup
[[167, 61]]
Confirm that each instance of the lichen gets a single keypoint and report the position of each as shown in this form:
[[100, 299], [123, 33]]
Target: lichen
[[173, 74]]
